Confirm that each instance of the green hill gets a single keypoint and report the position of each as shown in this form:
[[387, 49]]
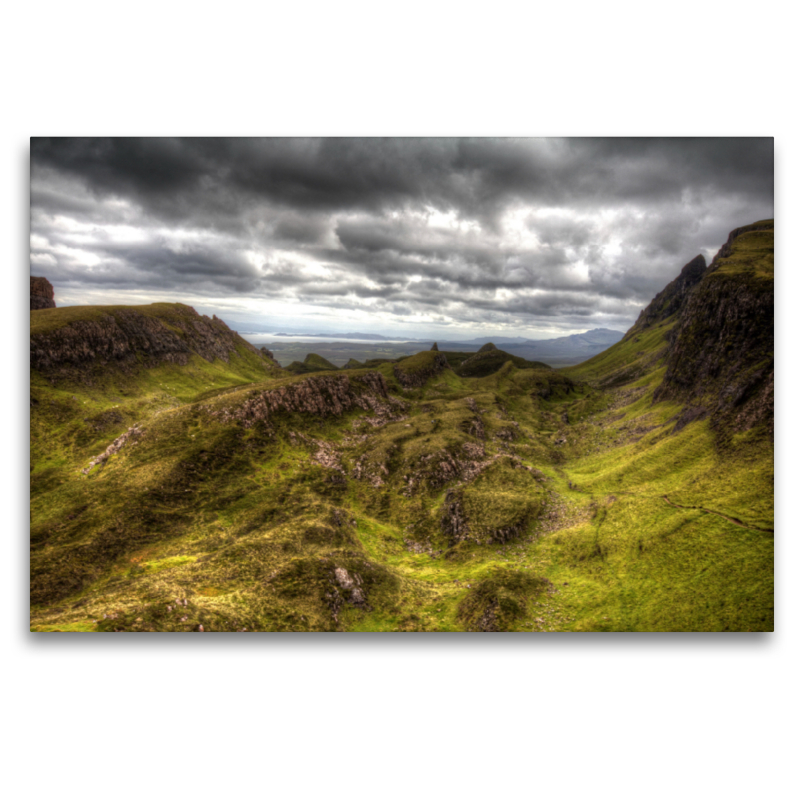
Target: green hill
[[489, 359], [312, 363], [172, 489]]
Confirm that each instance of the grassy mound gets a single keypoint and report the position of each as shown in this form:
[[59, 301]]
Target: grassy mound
[[416, 370], [489, 360], [499, 601], [312, 363]]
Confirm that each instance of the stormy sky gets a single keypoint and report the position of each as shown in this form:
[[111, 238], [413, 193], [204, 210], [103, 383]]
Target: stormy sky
[[406, 237]]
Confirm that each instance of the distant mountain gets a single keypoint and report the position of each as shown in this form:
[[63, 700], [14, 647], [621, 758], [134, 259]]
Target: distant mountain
[[598, 335], [495, 339], [590, 342], [563, 349], [578, 345]]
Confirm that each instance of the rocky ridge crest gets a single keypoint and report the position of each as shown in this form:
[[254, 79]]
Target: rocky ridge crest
[[123, 336], [720, 359], [672, 297], [320, 395]]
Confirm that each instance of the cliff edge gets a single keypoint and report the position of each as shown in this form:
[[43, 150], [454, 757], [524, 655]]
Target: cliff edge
[[77, 341], [720, 359]]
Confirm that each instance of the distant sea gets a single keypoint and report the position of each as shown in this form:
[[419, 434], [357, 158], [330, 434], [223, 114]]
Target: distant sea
[[258, 338]]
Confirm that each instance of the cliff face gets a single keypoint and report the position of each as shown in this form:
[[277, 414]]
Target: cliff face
[[42, 295], [672, 297], [721, 354], [91, 338]]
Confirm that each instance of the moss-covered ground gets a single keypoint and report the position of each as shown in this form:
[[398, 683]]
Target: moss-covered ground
[[527, 499]]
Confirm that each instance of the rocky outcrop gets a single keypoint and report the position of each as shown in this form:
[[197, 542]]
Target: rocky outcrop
[[487, 347], [42, 294], [435, 347], [721, 351], [453, 521], [117, 445], [672, 298], [127, 336], [415, 371], [322, 396]]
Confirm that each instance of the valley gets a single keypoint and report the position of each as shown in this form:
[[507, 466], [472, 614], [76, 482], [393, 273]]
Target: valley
[[184, 480]]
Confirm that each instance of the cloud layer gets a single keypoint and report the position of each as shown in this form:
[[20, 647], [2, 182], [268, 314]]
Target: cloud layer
[[409, 236]]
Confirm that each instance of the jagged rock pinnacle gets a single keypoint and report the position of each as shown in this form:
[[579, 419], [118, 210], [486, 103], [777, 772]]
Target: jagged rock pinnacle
[[673, 297], [435, 346]]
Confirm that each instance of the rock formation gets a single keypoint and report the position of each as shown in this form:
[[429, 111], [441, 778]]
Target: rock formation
[[127, 336], [322, 396], [721, 354], [42, 295], [672, 297]]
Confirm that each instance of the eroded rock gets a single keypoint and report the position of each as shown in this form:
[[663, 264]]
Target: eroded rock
[[127, 336], [323, 396]]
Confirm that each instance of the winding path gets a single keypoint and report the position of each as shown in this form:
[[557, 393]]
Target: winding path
[[734, 520]]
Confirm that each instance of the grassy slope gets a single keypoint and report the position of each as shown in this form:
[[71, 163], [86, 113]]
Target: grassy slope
[[642, 564], [246, 527], [753, 252], [47, 320]]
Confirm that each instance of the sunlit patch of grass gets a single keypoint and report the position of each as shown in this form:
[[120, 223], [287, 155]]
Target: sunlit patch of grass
[[87, 626]]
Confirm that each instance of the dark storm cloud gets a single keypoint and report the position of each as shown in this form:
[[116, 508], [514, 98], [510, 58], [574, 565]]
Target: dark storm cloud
[[481, 231]]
